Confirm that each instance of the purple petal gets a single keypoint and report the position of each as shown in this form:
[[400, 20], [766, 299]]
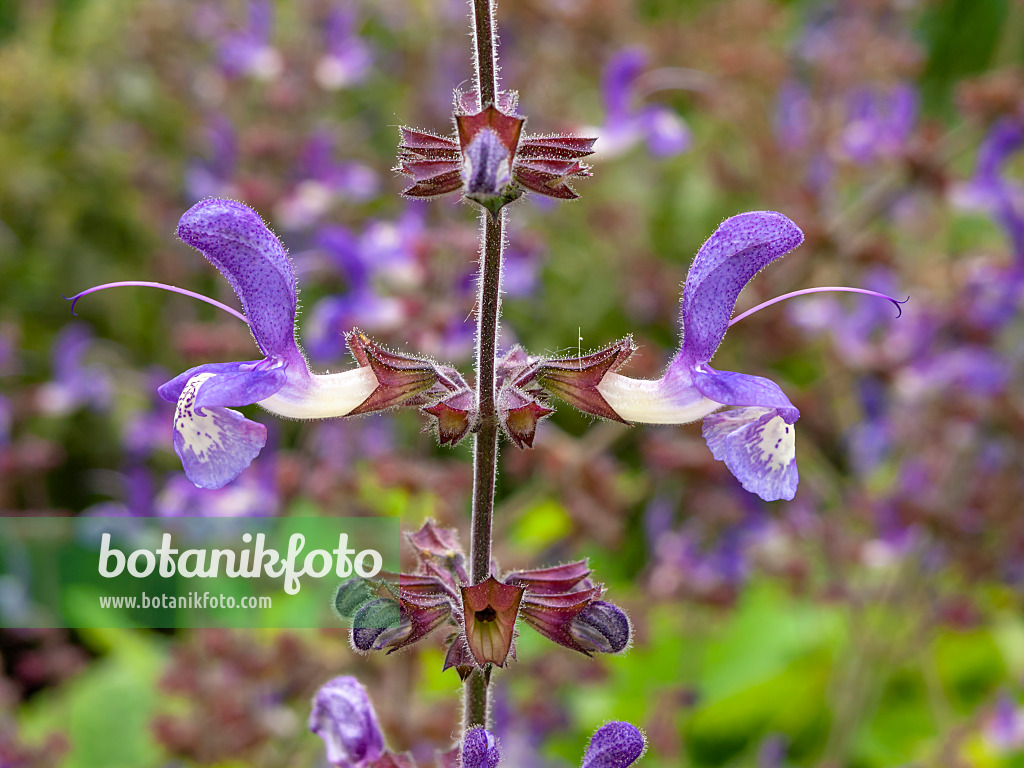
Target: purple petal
[[614, 745], [735, 252], [172, 390], [619, 73], [214, 444], [344, 718], [479, 749], [758, 446], [243, 387], [237, 242], [1002, 140], [667, 133], [730, 388]]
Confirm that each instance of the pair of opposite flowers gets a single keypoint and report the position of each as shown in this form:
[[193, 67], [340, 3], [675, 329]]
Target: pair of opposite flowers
[[755, 439]]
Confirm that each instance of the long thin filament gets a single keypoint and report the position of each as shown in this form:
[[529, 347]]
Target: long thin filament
[[832, 288], [163, 286]]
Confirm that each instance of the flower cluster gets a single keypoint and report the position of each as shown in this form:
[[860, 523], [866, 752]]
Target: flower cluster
[[489, 160], [561, 602], [215, 443]]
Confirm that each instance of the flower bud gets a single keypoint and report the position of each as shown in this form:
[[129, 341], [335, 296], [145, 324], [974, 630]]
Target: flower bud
[[378, 624], [601, 627], [351, 595], [519, 414], [344, 718], [479, 749], [455, 415], [614, 745]]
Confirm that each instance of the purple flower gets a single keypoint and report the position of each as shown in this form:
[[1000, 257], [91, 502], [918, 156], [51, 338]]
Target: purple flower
[[344, 718], [479, 749], [990, 190], [1005, 727], [626, 124], [6, 421], [214, 442], [757, 440], [321, 181], [614, 745], [74, 384], [214, 176], [347, 59], [249, 52], [793, 115], [879, 122]]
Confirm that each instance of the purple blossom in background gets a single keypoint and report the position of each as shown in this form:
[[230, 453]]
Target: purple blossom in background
[[879, 122], [214, 176], [772, 752], [793, 115], [385, 252], [248, 52], [344, 718], [991, 191], [870, 440], [6, 421], [867, 335], [1004, 729], [522, 733], [347, 59], [145, 431], [682, 560], [970, 369], [341, 444], [253, 494], [757, 440], [627, 124], [321, 181], [74, 384], [214, 442]]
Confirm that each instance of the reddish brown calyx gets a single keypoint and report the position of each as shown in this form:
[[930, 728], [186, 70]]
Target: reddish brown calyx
[[400, 378], [490, 609], [575, 379]]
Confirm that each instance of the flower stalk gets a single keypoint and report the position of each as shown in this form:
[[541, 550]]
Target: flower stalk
[[485, 445]]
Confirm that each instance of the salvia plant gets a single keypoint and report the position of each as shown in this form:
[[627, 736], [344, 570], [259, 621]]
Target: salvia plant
[[489, 160]]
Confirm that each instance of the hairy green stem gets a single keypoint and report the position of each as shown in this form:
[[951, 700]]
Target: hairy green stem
[[485, 446], [484, 52]]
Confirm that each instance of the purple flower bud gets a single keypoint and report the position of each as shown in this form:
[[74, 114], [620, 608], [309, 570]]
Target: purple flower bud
[[377, 624], [479, 749], [614, 745], [486, 166], [601, 627], [343, 717]]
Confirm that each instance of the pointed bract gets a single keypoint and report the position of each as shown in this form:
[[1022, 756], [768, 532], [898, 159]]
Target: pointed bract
[[576, 379]]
